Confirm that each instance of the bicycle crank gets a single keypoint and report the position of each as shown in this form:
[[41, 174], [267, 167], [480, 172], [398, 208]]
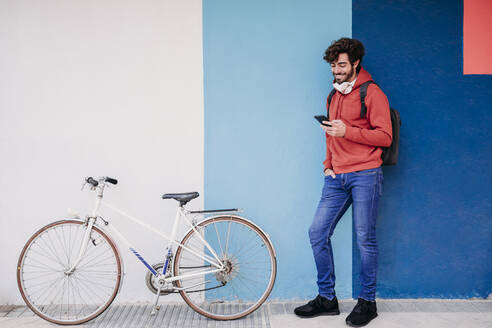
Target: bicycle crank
[[153, 284]]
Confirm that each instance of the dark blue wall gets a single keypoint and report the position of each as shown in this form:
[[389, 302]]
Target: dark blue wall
[[434, 230]]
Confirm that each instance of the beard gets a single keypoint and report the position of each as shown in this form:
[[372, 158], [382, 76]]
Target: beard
[[340, 78]]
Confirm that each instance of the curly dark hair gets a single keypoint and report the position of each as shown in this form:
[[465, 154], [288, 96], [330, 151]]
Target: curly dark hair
[[354, 48]]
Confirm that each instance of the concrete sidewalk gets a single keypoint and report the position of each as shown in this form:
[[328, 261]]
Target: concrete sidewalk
[[392, 313]]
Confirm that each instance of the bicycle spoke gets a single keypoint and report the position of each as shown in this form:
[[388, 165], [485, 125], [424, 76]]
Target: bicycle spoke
[[44, 265], [227, 237], [45, 256], [52, 288], [63, 244], [218, 238], [44, 290], [53, 248]]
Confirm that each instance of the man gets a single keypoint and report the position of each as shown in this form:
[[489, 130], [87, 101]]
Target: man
[[353, 175]]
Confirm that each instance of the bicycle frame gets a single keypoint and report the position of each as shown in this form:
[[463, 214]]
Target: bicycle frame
[[181, 213]]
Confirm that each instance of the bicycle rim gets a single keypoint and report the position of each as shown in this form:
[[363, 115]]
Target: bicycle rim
[[250, 263], [72, 298]]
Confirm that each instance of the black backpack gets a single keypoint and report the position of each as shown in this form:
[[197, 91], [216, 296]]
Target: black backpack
[[390, 154]]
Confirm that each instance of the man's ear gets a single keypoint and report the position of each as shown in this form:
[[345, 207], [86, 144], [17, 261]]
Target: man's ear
[[356, 63]]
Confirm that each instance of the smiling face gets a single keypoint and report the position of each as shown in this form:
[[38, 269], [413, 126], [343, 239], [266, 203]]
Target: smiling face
[[343, 70]]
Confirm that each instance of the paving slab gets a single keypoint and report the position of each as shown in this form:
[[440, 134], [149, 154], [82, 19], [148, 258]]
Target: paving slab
[[392, 313], [391, 320]]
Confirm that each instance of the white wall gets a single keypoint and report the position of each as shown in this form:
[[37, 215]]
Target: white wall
[[98, 88]]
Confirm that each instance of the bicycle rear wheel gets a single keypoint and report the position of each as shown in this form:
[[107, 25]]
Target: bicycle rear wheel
[[249, 273], [68, 298]]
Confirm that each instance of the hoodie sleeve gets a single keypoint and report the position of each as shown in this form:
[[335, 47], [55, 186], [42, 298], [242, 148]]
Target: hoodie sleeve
[[327, 162], [378, 116]]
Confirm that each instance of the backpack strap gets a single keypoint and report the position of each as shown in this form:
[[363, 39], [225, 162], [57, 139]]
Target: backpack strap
[[363, 94], [330, 96]]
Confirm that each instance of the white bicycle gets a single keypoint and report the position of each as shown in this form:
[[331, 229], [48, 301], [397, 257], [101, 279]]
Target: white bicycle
[[70, 271]]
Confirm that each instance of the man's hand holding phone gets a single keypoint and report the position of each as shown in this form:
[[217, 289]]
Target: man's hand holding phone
[[335, 128]]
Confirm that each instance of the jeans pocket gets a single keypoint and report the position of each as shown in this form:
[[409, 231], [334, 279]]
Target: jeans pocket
[[366, 172]]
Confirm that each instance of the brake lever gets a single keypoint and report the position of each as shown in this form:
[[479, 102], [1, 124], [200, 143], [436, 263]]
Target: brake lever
[[85, 183]]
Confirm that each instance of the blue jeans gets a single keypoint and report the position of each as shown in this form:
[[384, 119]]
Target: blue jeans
[[362, 189]]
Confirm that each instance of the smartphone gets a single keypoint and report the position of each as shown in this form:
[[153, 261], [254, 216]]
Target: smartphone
[[321, 118]]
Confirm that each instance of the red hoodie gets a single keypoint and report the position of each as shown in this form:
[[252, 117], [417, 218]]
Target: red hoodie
[[359, 148]]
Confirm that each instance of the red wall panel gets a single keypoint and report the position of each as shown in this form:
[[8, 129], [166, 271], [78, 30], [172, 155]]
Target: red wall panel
[[477, 37]]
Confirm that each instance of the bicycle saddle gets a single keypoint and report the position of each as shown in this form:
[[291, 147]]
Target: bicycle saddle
[[182, 198]]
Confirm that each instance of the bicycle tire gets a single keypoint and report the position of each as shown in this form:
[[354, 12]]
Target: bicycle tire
[[62, 298], [208, 295]]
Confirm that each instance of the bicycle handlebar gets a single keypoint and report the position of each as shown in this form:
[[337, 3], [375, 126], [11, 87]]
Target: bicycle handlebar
[[95, 183], [91, 181], [111, 180]]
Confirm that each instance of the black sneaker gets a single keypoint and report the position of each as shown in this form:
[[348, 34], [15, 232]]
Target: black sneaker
[[362, 313], [318, 306]]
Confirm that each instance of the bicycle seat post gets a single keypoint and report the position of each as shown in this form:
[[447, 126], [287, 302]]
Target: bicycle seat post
[[175, 226]]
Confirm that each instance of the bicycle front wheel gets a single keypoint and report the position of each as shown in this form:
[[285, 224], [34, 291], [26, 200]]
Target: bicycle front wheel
[[248, 274], [63, 297]]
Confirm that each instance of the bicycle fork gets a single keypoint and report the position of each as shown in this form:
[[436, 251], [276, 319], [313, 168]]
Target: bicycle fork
[[83, 246], [91, 220]]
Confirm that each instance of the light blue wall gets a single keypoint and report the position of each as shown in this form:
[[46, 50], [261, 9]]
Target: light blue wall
[[264, 80]]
